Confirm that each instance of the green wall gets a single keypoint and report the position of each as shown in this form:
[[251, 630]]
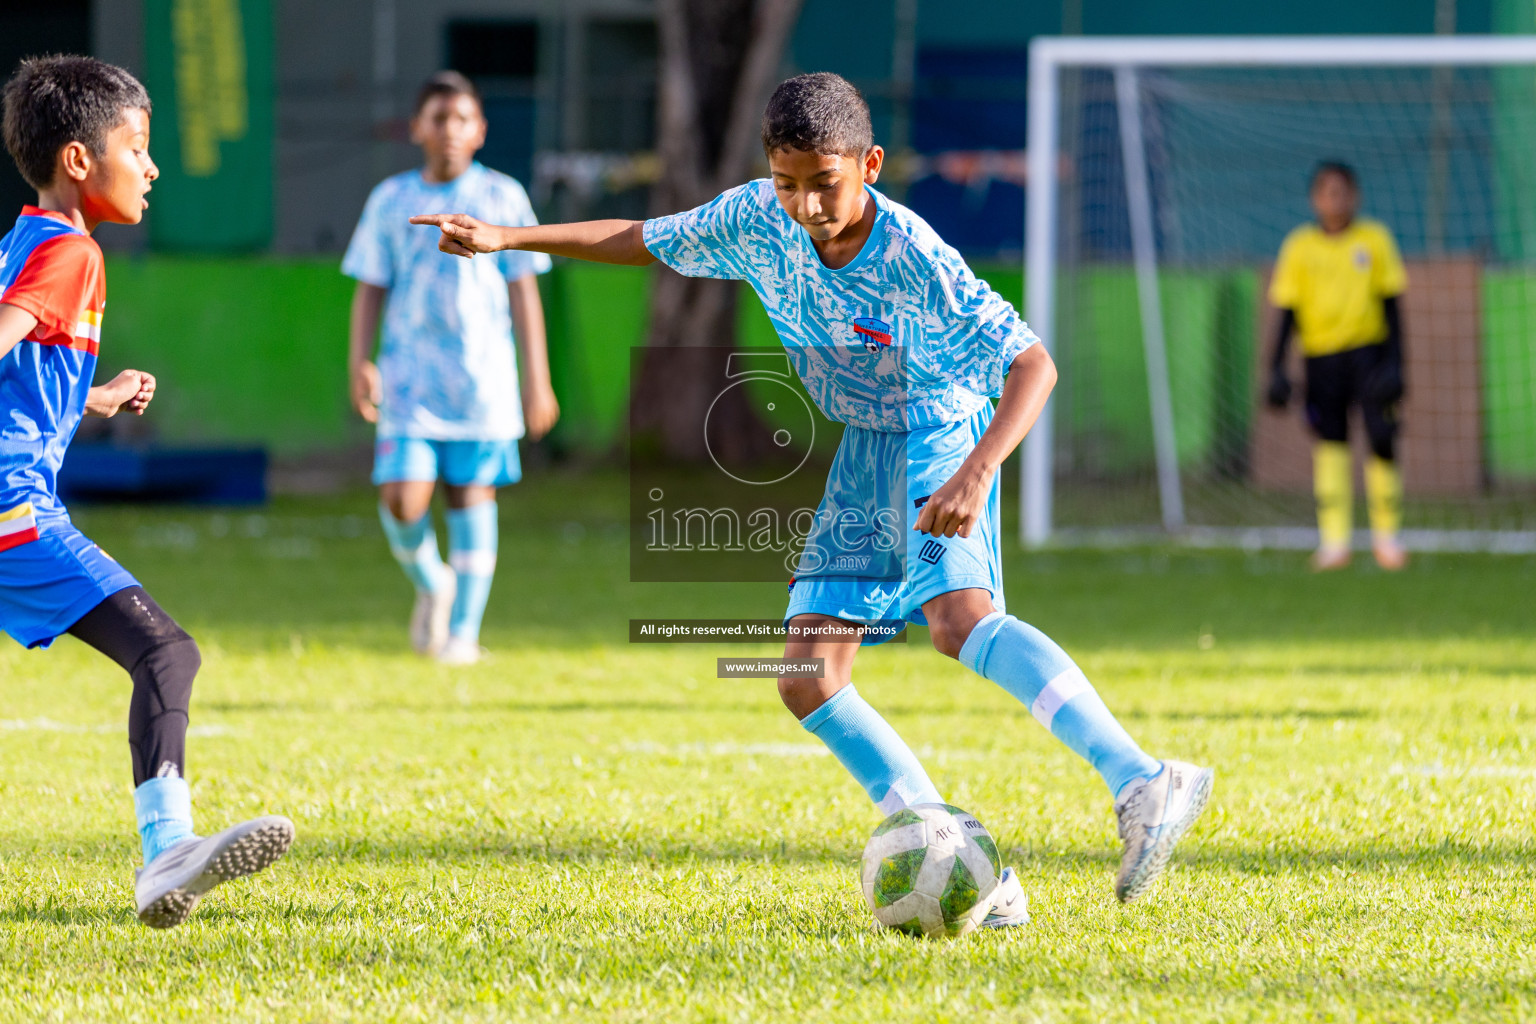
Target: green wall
[[244, 349], [1509, 374], [254, 350]]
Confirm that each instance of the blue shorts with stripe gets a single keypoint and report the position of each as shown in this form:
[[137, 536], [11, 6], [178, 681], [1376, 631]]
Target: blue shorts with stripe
[[862, 560], [48, 584], [460, 463]]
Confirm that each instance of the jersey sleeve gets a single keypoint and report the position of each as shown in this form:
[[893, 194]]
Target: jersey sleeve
[[60, 283], [1388, 276], [707, 240], [370, 257], [517, 211], [1285, 285], [978, 333]]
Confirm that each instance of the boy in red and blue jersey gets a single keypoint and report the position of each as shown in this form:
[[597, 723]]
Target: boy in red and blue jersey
[[78, 130]]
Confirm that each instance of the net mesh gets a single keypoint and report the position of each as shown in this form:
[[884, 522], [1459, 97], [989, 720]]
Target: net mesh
[[1447, 161]]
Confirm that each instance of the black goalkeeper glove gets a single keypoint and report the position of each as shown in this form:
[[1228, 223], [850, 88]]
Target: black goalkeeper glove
[[1384, 386], [1279, 389]]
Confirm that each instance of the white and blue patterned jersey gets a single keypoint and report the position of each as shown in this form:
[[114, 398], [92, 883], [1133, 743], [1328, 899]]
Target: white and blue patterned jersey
[[904, 336], [447, 361]]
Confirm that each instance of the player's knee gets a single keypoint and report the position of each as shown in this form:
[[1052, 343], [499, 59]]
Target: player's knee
[[950, 627], [802, 695], [397, 506], [796, 691], [948, 636], [173, 666]]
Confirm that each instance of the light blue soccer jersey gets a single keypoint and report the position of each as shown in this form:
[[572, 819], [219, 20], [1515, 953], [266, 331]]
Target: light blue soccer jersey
[[903, 337], [446, 358]]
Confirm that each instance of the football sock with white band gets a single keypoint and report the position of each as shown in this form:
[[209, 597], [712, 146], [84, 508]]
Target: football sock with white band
[[877, 758], [414, 546], [163, 807], [472, 545], [1029, 665]]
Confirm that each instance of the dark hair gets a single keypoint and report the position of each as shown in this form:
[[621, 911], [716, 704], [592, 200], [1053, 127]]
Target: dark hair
[[55, 100], [446, 83], [1339, 167], [818, 113]]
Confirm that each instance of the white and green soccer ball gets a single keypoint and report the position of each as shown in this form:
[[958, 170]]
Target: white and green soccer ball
[[928, 870]]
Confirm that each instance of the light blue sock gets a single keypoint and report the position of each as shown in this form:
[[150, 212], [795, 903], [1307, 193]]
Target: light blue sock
[[877, 758], [414, 546], [472, 553], [163, 808], [1029, 665]]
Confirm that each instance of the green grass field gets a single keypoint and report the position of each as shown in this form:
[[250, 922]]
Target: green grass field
[[581, 829]]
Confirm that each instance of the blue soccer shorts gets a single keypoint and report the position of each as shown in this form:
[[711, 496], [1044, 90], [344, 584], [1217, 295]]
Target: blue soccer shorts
[[863, 561], [47, 585], [460, 463]]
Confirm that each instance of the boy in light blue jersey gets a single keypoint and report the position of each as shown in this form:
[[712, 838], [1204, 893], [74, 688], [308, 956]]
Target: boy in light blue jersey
[[895, 337], [445, 391]]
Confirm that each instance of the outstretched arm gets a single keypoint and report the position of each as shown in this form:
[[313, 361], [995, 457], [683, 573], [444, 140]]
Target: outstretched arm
[[599, 241], [956, 507]]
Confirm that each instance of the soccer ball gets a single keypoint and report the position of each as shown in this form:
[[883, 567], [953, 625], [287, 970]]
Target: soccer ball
[[928, 868]]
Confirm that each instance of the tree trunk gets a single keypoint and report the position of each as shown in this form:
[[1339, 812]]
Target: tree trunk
[[718, 63]]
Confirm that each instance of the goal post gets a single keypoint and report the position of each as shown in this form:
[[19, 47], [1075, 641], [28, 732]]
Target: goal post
[[1118, 241]]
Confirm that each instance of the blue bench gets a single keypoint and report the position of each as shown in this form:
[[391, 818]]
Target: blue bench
[[201, 476]]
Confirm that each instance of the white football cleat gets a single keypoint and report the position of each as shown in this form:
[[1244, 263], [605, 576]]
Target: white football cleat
[[460, 651], [429, 615], [1007, 906], [168, 888], [1154, 815]]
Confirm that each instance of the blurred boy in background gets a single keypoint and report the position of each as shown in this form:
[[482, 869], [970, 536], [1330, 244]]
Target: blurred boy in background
[[445, 390], [1337, 282]]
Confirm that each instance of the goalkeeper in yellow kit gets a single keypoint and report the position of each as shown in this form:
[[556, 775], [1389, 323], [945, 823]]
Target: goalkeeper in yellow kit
[[1337, 284]]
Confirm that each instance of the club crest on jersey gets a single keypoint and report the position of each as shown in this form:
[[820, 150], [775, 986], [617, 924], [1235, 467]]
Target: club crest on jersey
[[1362, 258], [875, 334]]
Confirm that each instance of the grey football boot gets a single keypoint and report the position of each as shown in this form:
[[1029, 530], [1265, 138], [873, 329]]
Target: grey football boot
[[1154, 816], [168, 888]]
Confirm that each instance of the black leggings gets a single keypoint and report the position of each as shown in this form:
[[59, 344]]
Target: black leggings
[[134, 631]]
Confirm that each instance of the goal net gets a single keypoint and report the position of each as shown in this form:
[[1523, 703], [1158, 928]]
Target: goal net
[[1164, 174]]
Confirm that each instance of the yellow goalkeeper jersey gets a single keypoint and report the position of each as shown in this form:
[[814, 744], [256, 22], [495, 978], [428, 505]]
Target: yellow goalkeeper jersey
[[1336, 283]]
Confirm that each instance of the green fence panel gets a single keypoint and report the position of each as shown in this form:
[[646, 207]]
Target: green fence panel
[[254, 349], [596, 315], [1105, 412], [1509, 374], [244, 349]]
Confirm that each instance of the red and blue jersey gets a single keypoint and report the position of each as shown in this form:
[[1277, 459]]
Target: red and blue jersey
[[54, 271]]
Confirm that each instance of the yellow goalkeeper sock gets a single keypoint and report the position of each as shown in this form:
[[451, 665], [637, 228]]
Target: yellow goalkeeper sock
[[1384, 497], [1332, 486]]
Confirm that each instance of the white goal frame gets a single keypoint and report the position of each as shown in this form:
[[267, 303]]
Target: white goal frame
[[1124, 56]]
